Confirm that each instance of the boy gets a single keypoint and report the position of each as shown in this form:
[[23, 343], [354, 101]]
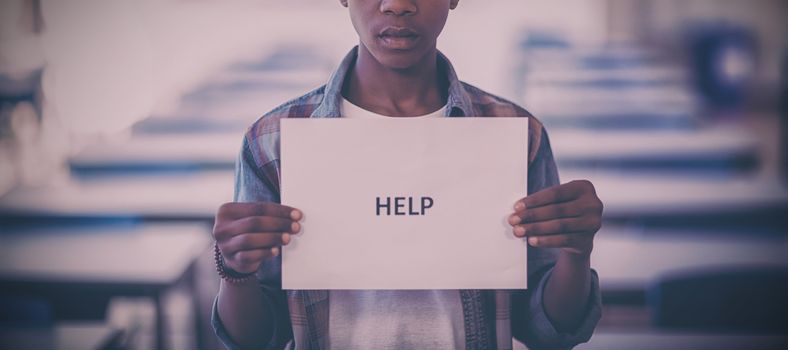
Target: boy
[[397, 72]]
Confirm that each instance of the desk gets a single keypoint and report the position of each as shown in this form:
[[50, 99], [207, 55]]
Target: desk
[[725, 148], [629, 259], [107, 260], [633, 107], [636, 196], [643, 340], [161, 151], [67, 336], [188, 195]]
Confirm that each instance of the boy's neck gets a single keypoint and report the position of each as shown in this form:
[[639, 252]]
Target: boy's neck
[[418, 90]]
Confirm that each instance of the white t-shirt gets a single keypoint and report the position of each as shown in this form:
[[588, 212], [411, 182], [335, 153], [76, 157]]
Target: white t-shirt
[[349, 110], [394, 319]]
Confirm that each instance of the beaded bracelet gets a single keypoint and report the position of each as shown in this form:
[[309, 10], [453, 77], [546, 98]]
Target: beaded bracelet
[[227, 273]]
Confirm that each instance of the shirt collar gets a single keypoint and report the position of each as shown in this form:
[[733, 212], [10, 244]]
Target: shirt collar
[[458, 104]]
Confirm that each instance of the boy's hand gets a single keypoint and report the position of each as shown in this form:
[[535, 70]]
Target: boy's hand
[[565, 216], [247, 233]]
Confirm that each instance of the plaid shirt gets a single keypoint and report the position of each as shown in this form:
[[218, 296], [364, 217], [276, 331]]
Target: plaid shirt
[[491, 317]]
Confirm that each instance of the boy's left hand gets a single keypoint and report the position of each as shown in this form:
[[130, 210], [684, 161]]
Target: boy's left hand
[[565, 216]]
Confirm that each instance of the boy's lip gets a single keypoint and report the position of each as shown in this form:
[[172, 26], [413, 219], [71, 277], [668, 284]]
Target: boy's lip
[[398, 32], [398, 38]]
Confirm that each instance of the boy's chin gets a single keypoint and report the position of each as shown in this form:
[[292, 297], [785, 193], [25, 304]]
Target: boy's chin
[[400, 61]]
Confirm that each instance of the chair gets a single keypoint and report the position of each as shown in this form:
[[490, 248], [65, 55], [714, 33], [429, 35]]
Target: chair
[[24, 312], [736, 300]]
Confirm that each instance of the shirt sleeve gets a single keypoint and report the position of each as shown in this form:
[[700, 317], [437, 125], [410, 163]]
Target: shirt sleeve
[[530, 323], [251, 186]]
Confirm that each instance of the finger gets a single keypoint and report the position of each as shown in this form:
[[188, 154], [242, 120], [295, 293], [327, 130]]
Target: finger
[[226, 230], [558, 241], [249, 260], [555, 227], [548, 212], [254, 224], [557, 194], [254, 241], [240, 210]]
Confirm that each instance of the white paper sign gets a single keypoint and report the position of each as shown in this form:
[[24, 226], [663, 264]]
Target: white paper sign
[[404, 203]]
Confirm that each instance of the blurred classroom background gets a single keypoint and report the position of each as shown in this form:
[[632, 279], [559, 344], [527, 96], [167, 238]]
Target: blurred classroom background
[[120, 122]]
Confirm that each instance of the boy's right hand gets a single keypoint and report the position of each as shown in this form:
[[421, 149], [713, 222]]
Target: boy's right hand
[[248, 233]]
